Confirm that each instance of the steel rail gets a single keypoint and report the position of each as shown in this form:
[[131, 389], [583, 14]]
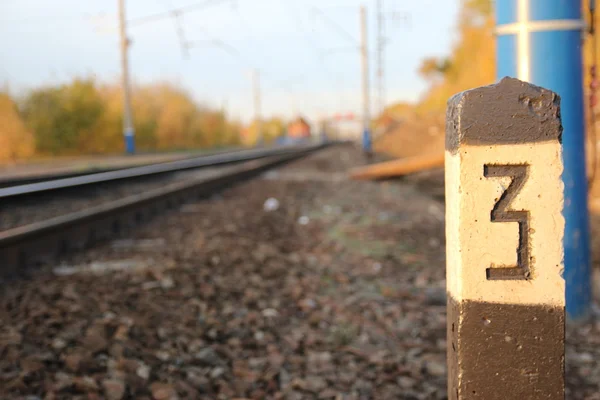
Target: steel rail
[[45, 241], [147, 170], [70, 172]]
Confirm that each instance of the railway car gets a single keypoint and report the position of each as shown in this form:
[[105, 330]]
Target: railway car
[[299, 129]]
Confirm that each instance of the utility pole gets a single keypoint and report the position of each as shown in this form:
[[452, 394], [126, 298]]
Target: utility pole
[[366, 137], [257, 112], [128, 130], [380, 58]]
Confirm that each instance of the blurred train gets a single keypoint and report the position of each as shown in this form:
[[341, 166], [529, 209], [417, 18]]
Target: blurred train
[[297, 131]]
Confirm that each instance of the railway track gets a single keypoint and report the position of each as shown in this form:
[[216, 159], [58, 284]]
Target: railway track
[[61, 182], [41, 241], [19, 179]]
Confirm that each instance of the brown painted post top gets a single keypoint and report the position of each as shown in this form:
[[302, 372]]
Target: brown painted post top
[[504, 249], [508, 112]]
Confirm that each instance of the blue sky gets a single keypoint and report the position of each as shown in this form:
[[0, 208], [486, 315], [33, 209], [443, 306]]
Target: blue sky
[[306, 65]]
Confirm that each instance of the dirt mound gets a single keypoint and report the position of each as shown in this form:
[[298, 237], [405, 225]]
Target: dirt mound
[[412, 136]]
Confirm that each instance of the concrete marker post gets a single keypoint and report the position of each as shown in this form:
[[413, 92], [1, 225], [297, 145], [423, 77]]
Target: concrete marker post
[[504, 248]]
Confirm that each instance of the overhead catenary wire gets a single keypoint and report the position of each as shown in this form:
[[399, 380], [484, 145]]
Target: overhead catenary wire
[[316, 48], [177, 22], [183, 42], [311, 42], [336, 26], [216, 43], [283, 84], [56, 18], [183, 34], [249, 31], [234, 52], [179, 11]]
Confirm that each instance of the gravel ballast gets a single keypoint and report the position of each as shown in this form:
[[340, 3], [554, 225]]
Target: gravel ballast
[[297, 285]]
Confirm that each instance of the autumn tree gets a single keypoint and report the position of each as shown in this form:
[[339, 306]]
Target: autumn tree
[[472, 61], [83, 117], [63, 118], [16, 141], [271, 128]]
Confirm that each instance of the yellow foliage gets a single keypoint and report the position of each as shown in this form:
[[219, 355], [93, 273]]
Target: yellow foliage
[[15, 140], [176, 120], [472, 61], [271, 129], [82, 117]]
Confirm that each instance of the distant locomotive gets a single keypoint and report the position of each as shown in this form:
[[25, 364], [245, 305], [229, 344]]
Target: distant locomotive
[[298, 129]]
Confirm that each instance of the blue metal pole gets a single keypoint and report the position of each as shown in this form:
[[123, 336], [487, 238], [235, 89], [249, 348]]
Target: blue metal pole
[[129, 141], [539, 41], [366, 141], [128, 129], [366, 134]]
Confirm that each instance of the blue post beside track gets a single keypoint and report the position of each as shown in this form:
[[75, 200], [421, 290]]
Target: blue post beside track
[[540, 41], [129, 142], [366, 140]]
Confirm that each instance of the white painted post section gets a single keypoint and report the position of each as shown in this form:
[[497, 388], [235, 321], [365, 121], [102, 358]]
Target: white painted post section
[[504, 230]]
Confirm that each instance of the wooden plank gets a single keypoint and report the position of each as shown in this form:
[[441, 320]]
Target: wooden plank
[[504, 251], [400, 167]]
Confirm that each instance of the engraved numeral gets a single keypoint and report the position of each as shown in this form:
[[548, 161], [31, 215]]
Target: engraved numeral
[[501, 213]]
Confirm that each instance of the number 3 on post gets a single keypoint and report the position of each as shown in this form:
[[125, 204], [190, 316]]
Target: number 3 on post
[[502, 213]]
